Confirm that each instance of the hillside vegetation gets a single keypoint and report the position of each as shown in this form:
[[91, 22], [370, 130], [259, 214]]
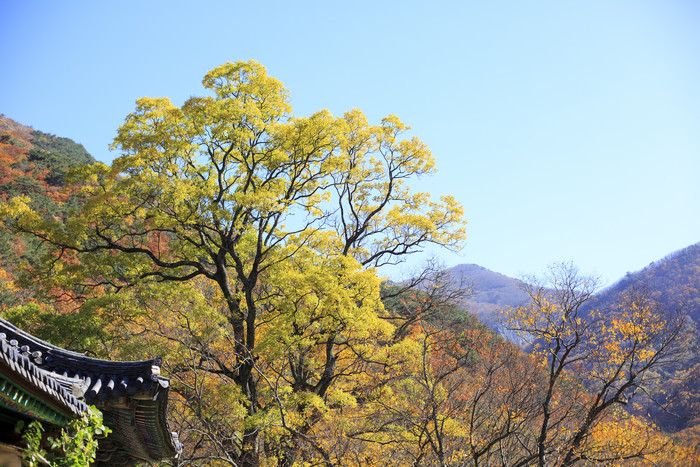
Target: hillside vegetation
[[32, 164], [490, 294], [242, 245], [674, 282]]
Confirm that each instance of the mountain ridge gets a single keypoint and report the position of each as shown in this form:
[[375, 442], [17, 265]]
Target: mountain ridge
[[674, 280]]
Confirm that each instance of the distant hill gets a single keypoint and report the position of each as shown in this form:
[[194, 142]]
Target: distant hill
[[674, 281], [492, 293], [34, 164]]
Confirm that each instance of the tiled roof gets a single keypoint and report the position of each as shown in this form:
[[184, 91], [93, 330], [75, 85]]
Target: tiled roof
[[98, 379], [59, 405], [70, 381]]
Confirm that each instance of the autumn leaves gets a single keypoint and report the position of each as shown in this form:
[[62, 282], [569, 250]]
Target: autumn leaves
[[242, 243]]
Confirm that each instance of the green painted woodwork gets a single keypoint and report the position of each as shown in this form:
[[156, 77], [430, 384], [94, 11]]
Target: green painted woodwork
[[17, 399]]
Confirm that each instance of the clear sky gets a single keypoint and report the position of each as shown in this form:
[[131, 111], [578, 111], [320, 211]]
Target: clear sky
[[568, 130]]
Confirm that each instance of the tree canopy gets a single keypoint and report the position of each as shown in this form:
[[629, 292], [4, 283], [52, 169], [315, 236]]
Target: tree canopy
[[245, 245], [277, 222]]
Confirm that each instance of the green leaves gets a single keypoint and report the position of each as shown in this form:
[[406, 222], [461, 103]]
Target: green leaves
[[77, 445], [243, 241]]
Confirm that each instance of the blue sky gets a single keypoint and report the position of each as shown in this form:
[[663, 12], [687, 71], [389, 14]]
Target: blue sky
[[568, 130]]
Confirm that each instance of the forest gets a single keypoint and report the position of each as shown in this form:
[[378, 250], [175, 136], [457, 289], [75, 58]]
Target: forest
[[245, 245]]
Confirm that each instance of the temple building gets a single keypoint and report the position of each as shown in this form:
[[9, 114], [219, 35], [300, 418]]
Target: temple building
[[39, 381]]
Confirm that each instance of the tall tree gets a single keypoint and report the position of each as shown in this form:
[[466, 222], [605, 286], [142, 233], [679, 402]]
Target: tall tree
[[287, 217], [599, 361]]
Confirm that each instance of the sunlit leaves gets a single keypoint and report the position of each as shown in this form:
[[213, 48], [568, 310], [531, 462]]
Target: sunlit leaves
[[616, 352], [248, 237]]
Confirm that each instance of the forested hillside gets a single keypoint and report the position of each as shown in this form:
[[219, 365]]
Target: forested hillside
[[242, 244], [490, 293], [673, 281], [32, 164]]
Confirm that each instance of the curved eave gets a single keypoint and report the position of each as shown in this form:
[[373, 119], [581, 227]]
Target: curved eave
[[29, 390], [61, 375], [143, 426], [53, 357]]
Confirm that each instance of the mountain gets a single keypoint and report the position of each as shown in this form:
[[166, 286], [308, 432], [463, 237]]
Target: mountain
[[491, 293], [674, 281], [34, 164]]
